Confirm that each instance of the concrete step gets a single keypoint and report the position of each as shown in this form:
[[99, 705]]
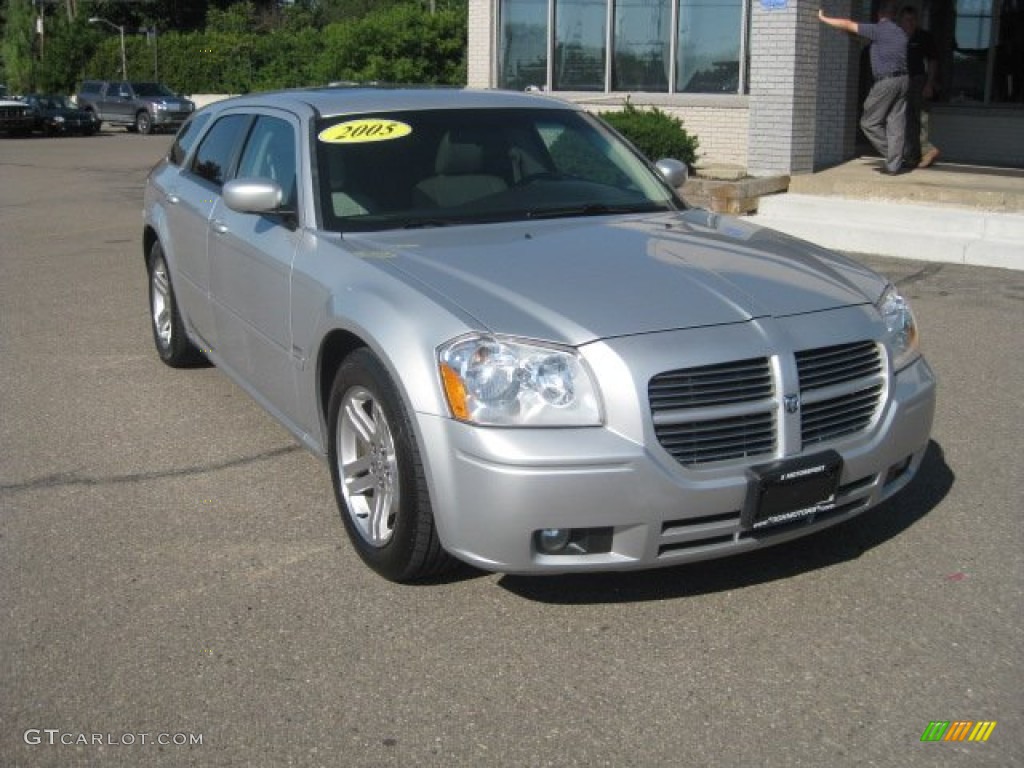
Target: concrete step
[[930, 232]]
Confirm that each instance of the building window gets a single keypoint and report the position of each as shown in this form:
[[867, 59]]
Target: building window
[[642, 45], [658, 46], [523, 44], [580, 37], [709, 46], [988, 51]]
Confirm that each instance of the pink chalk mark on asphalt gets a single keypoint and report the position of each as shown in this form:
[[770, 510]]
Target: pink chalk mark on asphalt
[[958, 576]]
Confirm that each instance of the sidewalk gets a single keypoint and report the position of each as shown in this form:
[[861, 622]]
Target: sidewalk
[[948, 213]]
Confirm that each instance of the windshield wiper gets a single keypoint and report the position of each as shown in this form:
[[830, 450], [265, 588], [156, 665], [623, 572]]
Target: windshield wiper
[[424, 223], [590, 209]]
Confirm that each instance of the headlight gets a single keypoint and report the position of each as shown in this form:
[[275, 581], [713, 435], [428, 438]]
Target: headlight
[[58, 119], [902, 328], [503, 382]]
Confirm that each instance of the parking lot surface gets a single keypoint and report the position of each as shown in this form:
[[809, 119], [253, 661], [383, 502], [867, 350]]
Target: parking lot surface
[[176, 587]]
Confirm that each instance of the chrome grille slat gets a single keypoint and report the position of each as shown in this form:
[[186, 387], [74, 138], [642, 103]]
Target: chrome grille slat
[[718, 440], [734, 382]]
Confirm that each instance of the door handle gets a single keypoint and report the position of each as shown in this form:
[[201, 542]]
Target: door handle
[[219, 227]]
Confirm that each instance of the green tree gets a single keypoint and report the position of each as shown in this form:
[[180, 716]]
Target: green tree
[[18, 46], [68, 46]]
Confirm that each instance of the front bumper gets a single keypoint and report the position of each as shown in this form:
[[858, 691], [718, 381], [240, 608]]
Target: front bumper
[[494, 489], [165, 119]]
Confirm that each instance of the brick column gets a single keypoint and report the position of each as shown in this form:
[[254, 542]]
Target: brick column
[[784, 85], [838, 70], [481, 55]]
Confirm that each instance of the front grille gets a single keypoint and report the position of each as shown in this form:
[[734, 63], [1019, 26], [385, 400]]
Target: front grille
[[841, 389], [730, 410], [714, 412]]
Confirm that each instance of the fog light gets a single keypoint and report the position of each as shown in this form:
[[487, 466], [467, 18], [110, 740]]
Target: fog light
[[552, 540], [896, 471]]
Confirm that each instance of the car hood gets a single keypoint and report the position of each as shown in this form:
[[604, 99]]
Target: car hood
[[575, 281]]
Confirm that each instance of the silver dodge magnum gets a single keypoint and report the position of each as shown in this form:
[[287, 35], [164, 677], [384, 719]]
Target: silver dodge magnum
[[513, 343]]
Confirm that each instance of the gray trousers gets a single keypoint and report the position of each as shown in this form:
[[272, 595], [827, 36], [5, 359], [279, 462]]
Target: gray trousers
[[884, 121], [916, 143]]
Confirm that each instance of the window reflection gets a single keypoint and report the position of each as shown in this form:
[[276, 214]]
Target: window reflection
[[643, 31], [524, 50], [987, 51], [580, 44], [709, 46]]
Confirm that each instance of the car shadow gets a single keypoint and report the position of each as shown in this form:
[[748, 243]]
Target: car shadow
[[840, 543]]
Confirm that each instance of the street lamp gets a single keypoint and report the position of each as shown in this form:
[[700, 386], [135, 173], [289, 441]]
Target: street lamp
[[120, 29]]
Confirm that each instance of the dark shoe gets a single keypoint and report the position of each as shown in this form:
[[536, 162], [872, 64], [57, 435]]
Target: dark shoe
[[899, 172]]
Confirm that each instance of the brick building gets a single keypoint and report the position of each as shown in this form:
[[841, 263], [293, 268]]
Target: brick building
[[762, 83]]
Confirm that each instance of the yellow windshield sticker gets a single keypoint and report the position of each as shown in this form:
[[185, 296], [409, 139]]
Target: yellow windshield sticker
[[357, 131]]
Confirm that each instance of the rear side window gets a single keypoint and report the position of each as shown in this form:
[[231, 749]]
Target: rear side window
[[219, 148], [186, 138]]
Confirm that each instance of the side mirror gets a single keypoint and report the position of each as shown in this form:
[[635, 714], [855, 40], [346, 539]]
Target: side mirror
[[675, 172], [253, 196]]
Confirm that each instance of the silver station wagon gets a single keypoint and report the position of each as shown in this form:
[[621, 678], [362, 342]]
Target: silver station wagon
[[513, 343]]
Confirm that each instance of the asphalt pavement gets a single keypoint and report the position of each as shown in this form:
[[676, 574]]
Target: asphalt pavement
[[176, 588]]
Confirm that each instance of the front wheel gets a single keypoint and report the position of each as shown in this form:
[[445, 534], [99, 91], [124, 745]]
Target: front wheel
[[173, 346], [378, 476], [144, 123]]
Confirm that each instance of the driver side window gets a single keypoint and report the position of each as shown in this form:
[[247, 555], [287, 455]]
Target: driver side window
[[270, 154], [219, 148]]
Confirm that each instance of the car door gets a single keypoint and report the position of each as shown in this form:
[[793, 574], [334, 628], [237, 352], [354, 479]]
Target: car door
[[119, 103], [190, 198], [250, 268]]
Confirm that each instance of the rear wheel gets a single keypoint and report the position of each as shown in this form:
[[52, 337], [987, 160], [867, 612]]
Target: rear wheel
[[378, 476], [172, 344]]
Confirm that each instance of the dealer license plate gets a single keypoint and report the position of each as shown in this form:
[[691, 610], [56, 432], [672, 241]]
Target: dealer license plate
[[791, 489]]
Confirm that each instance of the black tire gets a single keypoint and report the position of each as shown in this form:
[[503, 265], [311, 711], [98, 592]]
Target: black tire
[[144, 123], [172, 343], [390, 480]]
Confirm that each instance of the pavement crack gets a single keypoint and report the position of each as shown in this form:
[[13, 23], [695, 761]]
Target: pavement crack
[[68, 479], [922, 274]]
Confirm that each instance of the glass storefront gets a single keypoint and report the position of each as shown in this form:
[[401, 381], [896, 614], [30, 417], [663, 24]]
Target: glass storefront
[[657, 46], [981, 50]]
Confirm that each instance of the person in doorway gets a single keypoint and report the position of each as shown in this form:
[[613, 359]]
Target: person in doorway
[[885, 108], [923, 66]]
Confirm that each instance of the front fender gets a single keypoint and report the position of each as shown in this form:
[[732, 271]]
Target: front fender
[[402, 323]]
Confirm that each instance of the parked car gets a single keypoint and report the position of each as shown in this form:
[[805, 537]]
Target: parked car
[[138, 106], [16, 118], [56, 115], [514, 344]]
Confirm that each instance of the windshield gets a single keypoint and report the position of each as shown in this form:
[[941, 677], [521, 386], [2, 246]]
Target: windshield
[[152, 89], [451, 166], [54, 102]]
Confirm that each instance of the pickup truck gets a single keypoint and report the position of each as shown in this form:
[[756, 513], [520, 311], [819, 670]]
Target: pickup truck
[[139, 106]]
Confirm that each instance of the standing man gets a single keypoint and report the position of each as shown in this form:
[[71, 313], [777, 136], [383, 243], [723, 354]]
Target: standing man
[[923, 66], [884, 121]]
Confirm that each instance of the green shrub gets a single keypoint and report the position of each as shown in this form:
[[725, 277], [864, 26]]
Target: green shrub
[[655, 133]]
